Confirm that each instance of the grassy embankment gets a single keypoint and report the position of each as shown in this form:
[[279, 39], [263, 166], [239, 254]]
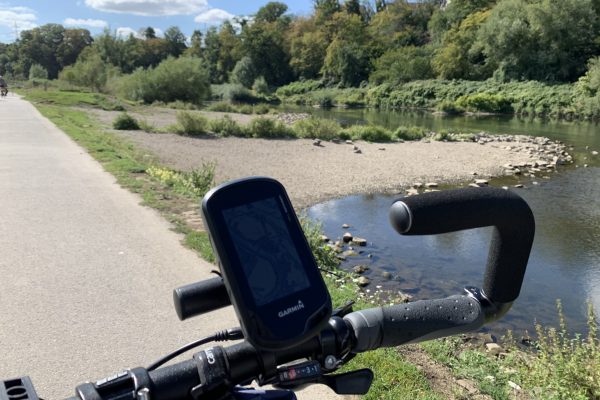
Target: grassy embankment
[[561, 367], [534, 99]]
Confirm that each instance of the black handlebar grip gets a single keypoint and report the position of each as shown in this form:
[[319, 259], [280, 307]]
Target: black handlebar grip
[[200, 297], [414, 322], [458, 209]]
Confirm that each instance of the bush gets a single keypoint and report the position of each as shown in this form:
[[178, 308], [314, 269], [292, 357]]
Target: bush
[[244, 72], [221, 106], [226, 127], [184, 79], [36, 71], [261, 86], [125, 122], [189, 123], [449, 107], [194, 183], [320, 128], [410, 133], [245, 109], [261, 109], [267, 128], [484, 102], [92, 72], [369, 133]]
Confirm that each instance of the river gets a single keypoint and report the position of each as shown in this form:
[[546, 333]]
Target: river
[[565, 260]]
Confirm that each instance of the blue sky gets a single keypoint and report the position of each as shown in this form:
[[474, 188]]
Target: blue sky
[[127, 16]]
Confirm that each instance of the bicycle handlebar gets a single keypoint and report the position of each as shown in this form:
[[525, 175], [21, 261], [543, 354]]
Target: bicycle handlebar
[[454, 210]]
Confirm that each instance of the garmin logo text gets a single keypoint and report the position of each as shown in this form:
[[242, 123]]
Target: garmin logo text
[[291, 310]]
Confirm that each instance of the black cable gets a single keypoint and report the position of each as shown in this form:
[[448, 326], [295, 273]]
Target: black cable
[[222, 336]]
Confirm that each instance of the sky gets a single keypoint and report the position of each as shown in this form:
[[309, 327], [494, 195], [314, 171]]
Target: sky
[[128, 16]]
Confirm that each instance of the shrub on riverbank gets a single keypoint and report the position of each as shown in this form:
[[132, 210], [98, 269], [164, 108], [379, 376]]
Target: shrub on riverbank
[[189, 123], [226, 127], [369, 133], [317, 128], [126, 122], [194, 183], [410, 133], [267, 128]]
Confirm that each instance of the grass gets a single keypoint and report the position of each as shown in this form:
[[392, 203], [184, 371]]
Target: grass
[[74, 98]]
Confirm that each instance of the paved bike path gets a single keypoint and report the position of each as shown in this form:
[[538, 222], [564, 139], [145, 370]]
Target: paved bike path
[[86, 272]]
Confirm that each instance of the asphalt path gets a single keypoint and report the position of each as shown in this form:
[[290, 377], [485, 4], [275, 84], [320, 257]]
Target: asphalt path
[[86, 272]]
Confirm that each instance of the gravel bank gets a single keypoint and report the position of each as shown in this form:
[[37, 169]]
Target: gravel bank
[[313, 174]]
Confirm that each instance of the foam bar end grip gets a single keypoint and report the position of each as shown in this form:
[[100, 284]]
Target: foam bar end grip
[[459, 209]]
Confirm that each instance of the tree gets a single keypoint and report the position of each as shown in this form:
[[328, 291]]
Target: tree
[[324, 9], [90, 72], [402, 65], [176, 41], [211, 53], [40, 46], [229, 51], [36, 71], [244, 72], [352, 7], [195, 49], [307, 48], [545, 40], [271, 12], [73, 43], [149, 33]]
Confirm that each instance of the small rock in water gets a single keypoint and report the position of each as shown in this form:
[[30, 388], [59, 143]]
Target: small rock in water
[[505, 187], [585, 165], [359, 241], [431, 185], [360, 269], [324, 238], [594, 153], [387, 275], [474, 185], [345, 226], [347, 237], [481, 181], [535, 183], [519, 186], [363, 281], [349, 253]]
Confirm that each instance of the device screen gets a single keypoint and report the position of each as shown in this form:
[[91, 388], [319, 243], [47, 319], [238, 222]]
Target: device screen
[[265, 249]]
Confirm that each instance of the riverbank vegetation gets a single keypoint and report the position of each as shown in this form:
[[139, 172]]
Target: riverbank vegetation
[[537, 58]]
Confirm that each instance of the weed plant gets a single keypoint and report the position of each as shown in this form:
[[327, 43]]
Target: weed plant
[[126, 122], [262, 127], [369, 133], [194, 183], [317, 128], [189, 123], [226, 127]]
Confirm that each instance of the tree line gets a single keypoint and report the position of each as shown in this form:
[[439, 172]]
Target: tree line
[[342, 43]]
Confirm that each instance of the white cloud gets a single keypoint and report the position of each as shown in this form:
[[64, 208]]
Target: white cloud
[[214, 16], [92, 23], [149, 7], [125, 31], [21, 18]]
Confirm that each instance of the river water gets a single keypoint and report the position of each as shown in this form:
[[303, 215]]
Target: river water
[[565, 260]]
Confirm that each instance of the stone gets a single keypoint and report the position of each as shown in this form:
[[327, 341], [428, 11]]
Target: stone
[[349, 142], [347, 237], [363, 281], [387, 275], [417, 185], [316, 142], [381, 148], [594, 153], [481, 181], [358, 151], [519, 186], [345, 226], [514, 385], [493, 348], [359, 241], [360, 269], [467, 385], [505, 187], [431, 185], [474, 185], [324, 238], [412, 192]]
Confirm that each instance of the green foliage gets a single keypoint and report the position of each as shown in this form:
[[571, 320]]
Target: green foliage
[[244, 72], [183, 79], [72, 98], [221, 106], [402, 65], [484, 102], [90, 72], [190, 123], [410, 133], [194, 183], [369, 133], [125, 122], [270, 12], [267, 128], [299, 87], [261, 86], [234, 92], [226, 127], [449, 107], [320, 128], [36, 71], [324, 255], [261, 109], [245, 109]]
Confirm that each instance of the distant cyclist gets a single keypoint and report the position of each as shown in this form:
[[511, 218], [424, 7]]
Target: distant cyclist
[[3, 86]]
